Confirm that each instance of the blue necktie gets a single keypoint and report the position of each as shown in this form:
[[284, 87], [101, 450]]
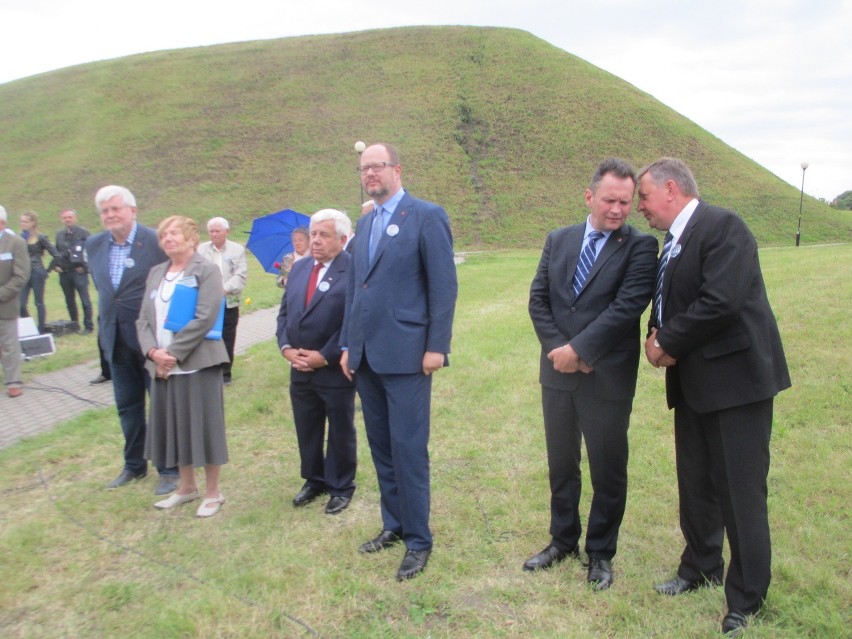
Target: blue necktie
[[587, 259], [375, 232], [658, 288]]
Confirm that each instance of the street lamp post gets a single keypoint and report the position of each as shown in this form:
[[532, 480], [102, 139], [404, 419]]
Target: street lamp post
[[801, 202], [359, 149]]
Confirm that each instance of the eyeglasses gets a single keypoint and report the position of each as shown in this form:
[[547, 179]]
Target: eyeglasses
[[376, 166]]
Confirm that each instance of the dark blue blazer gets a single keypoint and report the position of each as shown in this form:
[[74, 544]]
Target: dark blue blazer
[[602, 322], [118, 308], [317, 326], [402, 305]]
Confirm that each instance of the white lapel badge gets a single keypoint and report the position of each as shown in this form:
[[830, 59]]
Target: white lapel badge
[[323, 287], [392, 230], [676, 250]]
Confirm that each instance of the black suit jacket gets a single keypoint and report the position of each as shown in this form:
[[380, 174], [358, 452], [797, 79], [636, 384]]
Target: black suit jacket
[[602, 323], [316, 327], [118, 308], [717, 322]]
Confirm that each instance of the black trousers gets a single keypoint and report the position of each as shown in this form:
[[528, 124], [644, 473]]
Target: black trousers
[[568, 417], [313, 406], [229, 336], [73, 284], [722, 466]]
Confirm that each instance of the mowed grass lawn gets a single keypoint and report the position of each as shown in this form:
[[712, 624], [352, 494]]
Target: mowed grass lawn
[[79, 561]]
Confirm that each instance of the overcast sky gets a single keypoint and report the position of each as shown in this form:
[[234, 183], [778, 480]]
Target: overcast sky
[[772, 78]]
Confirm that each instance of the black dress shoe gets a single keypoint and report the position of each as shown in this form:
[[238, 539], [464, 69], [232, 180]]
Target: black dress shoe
[[412, 564], [678, 585], [600, 573], [549, 556], [125, 477], [386, 539], [307, 495], [733, 623], [337, 504], [100, 379], [167, 485]]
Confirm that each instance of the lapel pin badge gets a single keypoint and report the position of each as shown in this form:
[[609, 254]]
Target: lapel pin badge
[[129, 262], [392, 230], [675, 250], [323, 286]]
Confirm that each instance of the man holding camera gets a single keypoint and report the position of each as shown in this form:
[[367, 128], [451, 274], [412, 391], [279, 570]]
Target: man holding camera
[[72, 268]]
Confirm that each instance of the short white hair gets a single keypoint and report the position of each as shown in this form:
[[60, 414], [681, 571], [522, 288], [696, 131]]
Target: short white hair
[[342, 223], [218, 221], [3, 216], [108, 192]]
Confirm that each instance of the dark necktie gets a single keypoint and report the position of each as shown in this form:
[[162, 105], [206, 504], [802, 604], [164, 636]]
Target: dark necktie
[[312, 283], [587, 260], [658, 288], [376, 232]]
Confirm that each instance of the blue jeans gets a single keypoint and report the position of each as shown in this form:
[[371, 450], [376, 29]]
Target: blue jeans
[[130, 381], [36, 285]]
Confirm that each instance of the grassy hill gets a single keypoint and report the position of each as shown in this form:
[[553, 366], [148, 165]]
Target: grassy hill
[[498, 126]]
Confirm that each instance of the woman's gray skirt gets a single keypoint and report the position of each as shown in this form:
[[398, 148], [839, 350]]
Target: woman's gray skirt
[[186, 426]]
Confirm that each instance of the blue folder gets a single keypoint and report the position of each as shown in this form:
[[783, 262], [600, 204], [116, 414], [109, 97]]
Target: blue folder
[[182, 310]]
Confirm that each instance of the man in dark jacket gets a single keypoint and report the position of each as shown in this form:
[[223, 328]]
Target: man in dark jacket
[[73, 269]]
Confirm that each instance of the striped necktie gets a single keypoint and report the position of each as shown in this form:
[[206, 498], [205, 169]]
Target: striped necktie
[[587, 260], [658, 288]]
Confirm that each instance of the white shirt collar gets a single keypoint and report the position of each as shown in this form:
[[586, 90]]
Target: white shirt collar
[[682, 219]]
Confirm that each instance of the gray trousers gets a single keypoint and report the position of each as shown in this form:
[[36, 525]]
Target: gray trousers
[[10, 352]]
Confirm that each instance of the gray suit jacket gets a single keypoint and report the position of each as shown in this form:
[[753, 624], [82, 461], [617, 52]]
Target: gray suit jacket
[[602, 323], [14, 273], [192, 350]]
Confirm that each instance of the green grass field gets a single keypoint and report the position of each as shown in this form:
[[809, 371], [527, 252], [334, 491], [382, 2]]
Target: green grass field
[[79, 561]]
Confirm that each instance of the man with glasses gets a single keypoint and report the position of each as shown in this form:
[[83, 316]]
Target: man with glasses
[[119, 260], [396, 333]]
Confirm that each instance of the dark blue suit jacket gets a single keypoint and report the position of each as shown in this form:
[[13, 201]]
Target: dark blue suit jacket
[[602, 322], [119, 308], [316, 327], [402, 305]]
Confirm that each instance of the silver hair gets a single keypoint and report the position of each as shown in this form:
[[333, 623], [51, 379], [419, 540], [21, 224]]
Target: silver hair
[[342, 223], [673, 169], [221, 221], [108, 192]]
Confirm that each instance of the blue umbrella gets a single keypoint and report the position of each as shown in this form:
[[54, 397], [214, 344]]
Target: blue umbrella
[[269, 238]]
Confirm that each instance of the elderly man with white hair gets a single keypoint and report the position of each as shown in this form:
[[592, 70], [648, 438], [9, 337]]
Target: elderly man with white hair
[[14, 274], [120, 257], [230, 257]]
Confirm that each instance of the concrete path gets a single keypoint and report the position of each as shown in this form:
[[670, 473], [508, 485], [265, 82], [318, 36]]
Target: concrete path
[[53, 398]]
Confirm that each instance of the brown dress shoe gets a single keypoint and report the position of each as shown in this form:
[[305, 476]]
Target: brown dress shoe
[[15, 391]]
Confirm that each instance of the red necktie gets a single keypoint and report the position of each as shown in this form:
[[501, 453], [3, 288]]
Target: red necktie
[[312, 283]]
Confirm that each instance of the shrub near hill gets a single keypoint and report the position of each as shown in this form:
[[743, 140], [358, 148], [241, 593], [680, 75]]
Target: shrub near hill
[[498, 126]]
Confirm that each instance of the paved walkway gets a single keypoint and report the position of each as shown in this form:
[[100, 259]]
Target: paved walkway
[[53, 398]]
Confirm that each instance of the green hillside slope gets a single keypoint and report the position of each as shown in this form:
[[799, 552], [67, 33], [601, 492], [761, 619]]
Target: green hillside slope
[[500, 127]]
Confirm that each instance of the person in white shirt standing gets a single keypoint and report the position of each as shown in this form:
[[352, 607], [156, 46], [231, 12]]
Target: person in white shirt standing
[[230, 257]]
